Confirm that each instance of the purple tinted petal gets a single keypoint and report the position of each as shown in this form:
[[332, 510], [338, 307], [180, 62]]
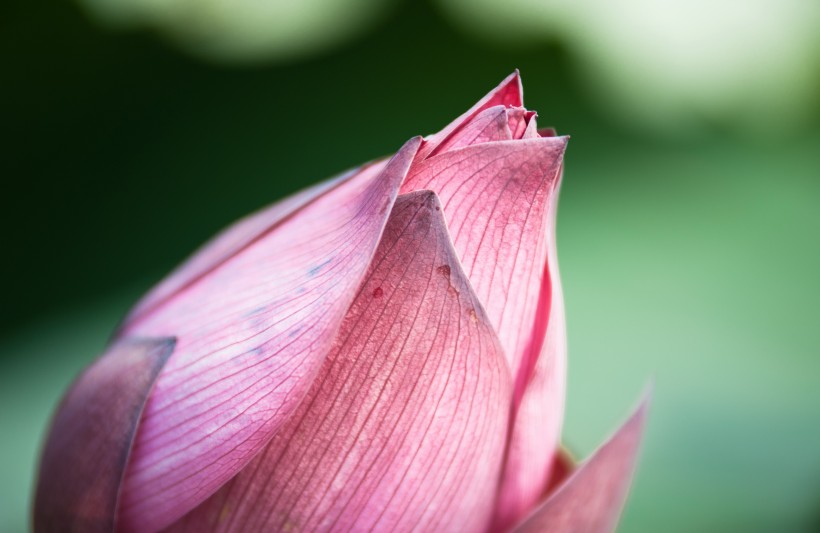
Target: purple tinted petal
[[91, 436], [251, 336], [404, 427], [592, 497]]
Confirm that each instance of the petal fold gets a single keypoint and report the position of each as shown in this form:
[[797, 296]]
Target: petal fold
[[404, 428], [590, 500], [251, 336], [91, 436], [509, 93]]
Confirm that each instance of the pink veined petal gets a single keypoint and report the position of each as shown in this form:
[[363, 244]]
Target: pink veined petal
[[495, 198], [509, 93], [251, 336], [497, 123], [531, 131], [590, 500], [519, 119], [491, 124], [233, 239], [536, 431], [91, 435], [404, 427]]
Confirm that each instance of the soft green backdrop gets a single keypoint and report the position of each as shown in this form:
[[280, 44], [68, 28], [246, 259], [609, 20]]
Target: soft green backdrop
[[691, 258]]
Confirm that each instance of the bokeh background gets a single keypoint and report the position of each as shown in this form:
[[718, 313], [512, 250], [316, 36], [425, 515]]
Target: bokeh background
[[689, 230]]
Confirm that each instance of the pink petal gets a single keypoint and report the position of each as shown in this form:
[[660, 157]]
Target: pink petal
[[531, 131], [497, 123], [91, 436], [535, 435], [404, 427], [251, 336], [235, 238], [509, 93], [592, 497], [518, 119], [490, 125], [495, 198]]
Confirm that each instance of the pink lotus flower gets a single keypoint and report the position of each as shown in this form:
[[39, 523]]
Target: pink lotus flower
[[384, 351]]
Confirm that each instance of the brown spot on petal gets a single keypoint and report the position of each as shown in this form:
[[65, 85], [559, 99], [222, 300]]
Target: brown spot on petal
[[378, 292], [444, 270]]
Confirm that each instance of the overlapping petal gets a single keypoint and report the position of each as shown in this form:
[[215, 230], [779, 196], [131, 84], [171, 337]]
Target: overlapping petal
[[590, 500], [404, 427], [235, 238], [383, 351], [509, 93], [536, 430], [90, 441], [251, 336], [496, 198]]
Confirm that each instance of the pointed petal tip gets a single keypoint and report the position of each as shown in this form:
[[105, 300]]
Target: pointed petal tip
[[511, 90], [415, 339], [204, 422], [592, 497]]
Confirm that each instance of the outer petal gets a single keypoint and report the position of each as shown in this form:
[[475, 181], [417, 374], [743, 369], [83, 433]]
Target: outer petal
[[537, 425], [234, 239], [509, 93], [591, 498], [91, 436], [404, 427], [251, 337], [495, 198]]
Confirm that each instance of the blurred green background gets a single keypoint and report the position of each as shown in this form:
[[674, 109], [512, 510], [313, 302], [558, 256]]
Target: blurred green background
[[689, 226]]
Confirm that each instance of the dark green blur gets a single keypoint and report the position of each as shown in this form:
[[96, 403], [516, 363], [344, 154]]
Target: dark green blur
[[694, 260]]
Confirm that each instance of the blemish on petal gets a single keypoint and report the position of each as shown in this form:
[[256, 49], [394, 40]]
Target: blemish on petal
[[224, 514], [378, 293], [444, 270], [473, 315], [318, 268]]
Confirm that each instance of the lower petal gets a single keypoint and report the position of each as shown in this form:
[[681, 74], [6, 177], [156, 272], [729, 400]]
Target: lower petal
[[590, 500]]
